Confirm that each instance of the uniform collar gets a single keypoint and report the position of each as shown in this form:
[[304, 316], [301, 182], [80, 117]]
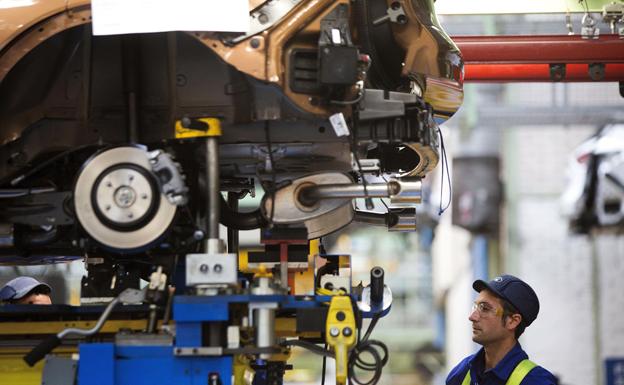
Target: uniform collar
[[504, 368]]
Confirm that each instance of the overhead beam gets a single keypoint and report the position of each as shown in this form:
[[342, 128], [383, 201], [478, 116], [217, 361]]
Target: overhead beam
[[542, 58]]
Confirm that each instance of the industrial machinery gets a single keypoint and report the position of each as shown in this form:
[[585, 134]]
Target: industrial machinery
[[130, 150]]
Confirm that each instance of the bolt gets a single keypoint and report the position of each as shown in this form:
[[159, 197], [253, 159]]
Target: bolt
[[198, 235], [263, 18], [203, 268], [217, 268], [254, 43], [340, 316], [347, 331], [334, 332]]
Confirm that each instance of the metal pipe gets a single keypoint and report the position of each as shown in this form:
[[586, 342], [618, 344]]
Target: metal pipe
[[152, 319], [213, 191], [130, 55], [540, 49], [375, 219], [87, 60], [133, 118], [264, 316], [100, 322], [232, 233], [21, 192], [169, 305], [351, 190], [265, 328], [172, 89], [400, 191]]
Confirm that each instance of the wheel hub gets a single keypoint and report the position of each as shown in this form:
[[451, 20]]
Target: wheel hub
[[124, 195]]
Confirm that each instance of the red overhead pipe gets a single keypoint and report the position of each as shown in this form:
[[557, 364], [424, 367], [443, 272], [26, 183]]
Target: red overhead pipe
[[538, 73], [529, 58]]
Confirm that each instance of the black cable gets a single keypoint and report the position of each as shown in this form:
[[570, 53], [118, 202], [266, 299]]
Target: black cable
[[15, 181], [448, 176], [323, 368], [585, 5], [309, 346], [376, 366], [241, 220], [372, 347], [352, 145], [348, 102], [371, 326], [384, 203]]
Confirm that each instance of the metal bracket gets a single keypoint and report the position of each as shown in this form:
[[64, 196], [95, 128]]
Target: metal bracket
[[59, 371], [596, 71], [557, 72], [199, 351], [211, 269], [394, 14], [368, 166], [265, 17], [589, 29], [613, 14], [375, 104]]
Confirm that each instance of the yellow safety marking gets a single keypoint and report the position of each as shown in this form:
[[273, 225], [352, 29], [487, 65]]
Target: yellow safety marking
[[243, 261], [53, 327], [287, 327], [243, 373], [314, 246], [344, 262], [14, 371], [214, 129]]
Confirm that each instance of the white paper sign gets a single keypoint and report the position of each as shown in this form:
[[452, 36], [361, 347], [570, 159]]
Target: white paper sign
[[339, 124], [114, 17]]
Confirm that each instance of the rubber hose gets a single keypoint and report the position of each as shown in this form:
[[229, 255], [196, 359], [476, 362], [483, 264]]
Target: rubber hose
[[241, 221]]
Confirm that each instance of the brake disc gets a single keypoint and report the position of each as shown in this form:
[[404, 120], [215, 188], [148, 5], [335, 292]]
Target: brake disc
[[118, 201]]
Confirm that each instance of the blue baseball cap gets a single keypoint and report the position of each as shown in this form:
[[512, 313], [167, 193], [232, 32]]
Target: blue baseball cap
[[20, 286], [516, 292]]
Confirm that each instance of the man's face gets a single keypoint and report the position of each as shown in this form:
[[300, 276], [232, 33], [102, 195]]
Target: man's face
[[35, 299], [486, 316]]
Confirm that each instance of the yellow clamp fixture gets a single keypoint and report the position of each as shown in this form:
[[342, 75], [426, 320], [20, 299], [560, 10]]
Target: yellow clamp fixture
[[340, 334], [263, 272], [194, 128]]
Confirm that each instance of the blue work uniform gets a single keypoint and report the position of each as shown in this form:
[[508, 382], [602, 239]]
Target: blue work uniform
[[500, 373]]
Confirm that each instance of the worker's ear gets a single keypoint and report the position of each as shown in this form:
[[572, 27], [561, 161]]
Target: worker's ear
[[512, 321]]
